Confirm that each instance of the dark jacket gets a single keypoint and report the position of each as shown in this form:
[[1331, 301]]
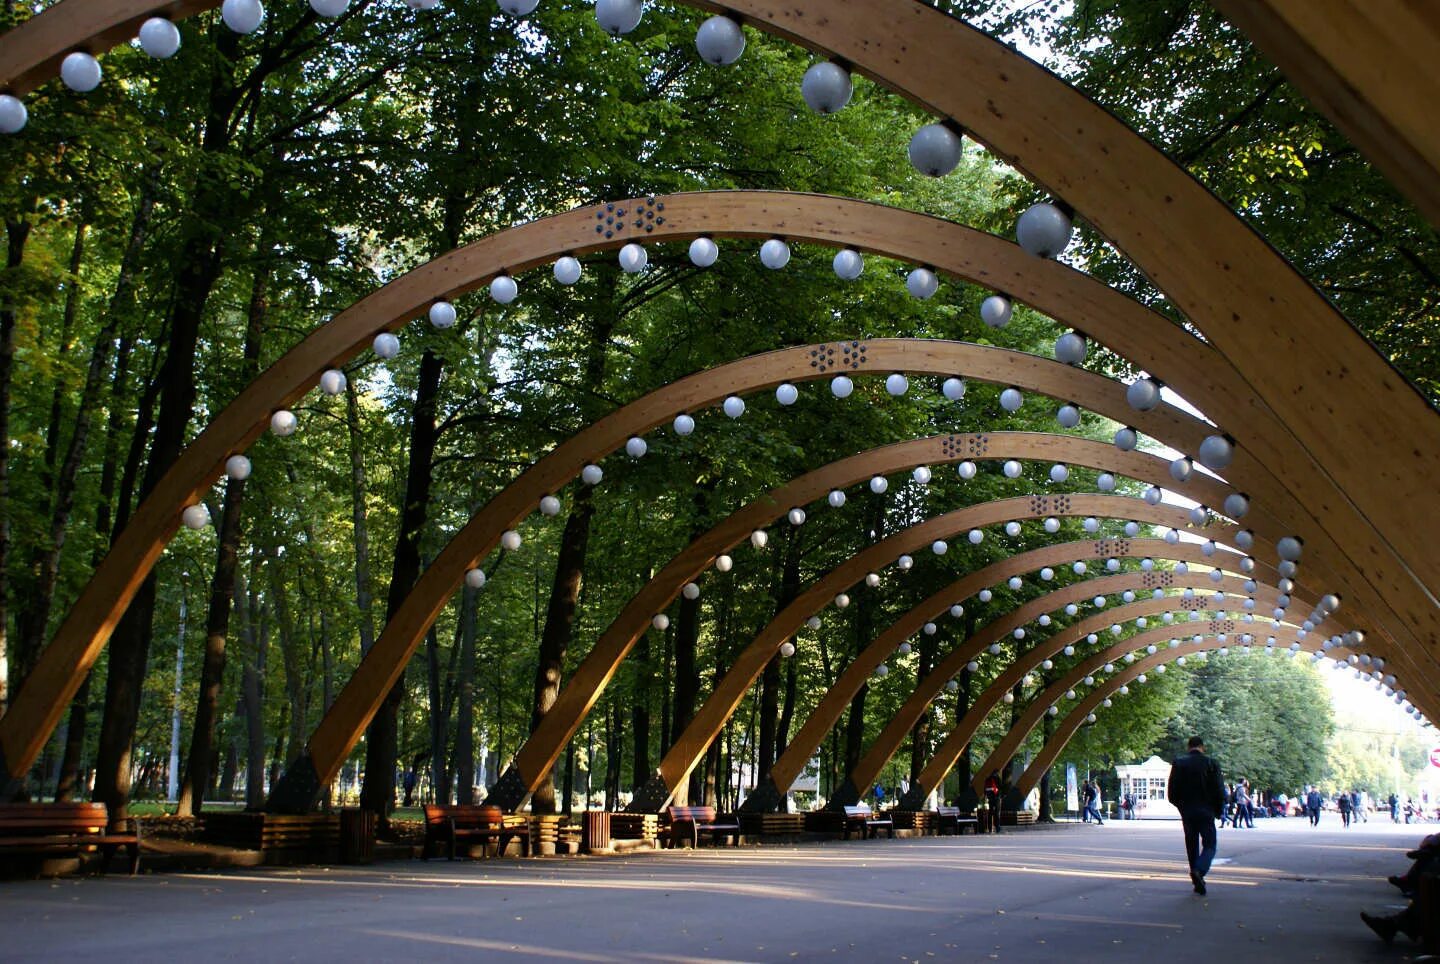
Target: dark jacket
[[1196, 784]]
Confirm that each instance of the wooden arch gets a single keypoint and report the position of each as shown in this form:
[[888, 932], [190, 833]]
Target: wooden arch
[[824, 717], [1337, 398], [538, 754], [1010, 743], [690, 746], [1067, 726], [1049, 286]]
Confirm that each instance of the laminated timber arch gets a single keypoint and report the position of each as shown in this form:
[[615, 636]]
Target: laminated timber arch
[[939, 767], [1055, 691], [837, 698], [539, 753], [690, 746], [1072, 722], [1050, 287], [1338, 399]]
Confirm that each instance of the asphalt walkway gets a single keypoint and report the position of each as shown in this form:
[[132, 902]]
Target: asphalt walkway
[[1117, 893]]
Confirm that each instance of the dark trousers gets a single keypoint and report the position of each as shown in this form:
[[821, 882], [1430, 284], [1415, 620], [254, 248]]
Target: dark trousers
[[1314, 816], [1199, 828], [992, 812]]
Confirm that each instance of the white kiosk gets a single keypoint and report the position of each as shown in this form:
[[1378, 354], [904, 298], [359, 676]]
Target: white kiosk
[[1147, 782]]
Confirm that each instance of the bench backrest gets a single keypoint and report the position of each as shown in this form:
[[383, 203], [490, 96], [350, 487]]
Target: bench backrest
[[860, 810], [465, 815], [697, 814], [20, 819], [947, 811]]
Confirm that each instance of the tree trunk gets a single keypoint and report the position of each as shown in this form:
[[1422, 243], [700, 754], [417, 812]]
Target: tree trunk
[[788, 587], [465, 701], [256, 636], [920, 733], [364, 596], [196, 270], [17, 232], [381, 745], [640, 714], [559, 627], [439, 719]]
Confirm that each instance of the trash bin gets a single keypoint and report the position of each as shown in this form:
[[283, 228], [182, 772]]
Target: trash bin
[[596, 831], [357, 836]]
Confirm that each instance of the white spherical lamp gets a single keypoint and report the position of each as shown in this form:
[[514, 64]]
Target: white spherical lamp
[[660, 622], [976, 536], [922, 283], [935, 150], [796, 516], [966, 470], [238, 467], [786, 394], [879, 484], [13, 114], [683, 424], [475, 578], [386, 345], [159, 38], [826, 87], [848, 264], [333, 382], [550, 506], [1105, 482], [1012, 469], [636, 447], [922, 474], [774, 254], [242, 16], [503, 289], [720, 41], [1126, 439], [195, 516], [787, 649], [633, 258], [1216, 452], [592, 474], [759, 538], [567, 270], [1143, 394], [836, 498], [841, 386], [734, 406], [80, 72], [904, 563], [1044, 230], [510, 540], [617, 17], [704, 252], [283, 423], [897, 384], [1181, 468], [1068, 416], [995, 311], [1070, 348], [691, 591], [1059, 473], [724, 563]]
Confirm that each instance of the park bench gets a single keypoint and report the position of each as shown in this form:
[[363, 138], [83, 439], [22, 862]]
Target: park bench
[[464, 824], [67, 828], [862, 819], [688, 823], [951, 819]]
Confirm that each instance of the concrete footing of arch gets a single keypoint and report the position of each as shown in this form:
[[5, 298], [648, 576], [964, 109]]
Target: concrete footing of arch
[[1116, 893]]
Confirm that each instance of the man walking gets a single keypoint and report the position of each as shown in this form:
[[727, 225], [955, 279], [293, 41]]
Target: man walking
[[1312, 804], [1197, 791]]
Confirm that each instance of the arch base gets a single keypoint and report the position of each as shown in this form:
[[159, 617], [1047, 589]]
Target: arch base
[[509, 793], [845, 795], [652, 797], [298, 789], [914, 798], [10, 783], [766, 798]]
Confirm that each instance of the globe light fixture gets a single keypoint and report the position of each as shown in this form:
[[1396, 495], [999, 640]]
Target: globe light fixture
[[475, 578], [953, 389], [759, 538], [238, 467], [386, 345], [976, 536], [922, 283], [1126, 439], [826, 87], [724, 563], [1236, 505], [1059, 473], [1012, 469], [1181, 468], [935, 150], [1068, 415], [922, 474], [1070, 348], [904, 563], [786, 394], [636, 447], [550, 506], [660, 622], [195, 516], [939, 547], [159, 38], [591, 474], [879, 484], [848, 264], [332, 382], [1044, 230], [775, 254], [503, 289], [510, 540], [985, 595], [813, 622], [787, 649], [704, 252], [995, 311], [1105, 482], [242, 16], [734, 406], [1216, 452], [683, 424], [1143, 394], [842, 601], [796, 516], [617, 17], [897, 384], [841, 386], [1011, 399], [966, 470], [633, 258], [13, 114], [720, 41], [836, 498], [283, 423], [519, 8], [1012, 529]]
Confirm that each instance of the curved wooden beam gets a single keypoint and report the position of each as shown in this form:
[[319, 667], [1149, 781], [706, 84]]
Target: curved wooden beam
[[1370, 66], [1054, 693], [730, 689], [893, 736], [538, 754], [1334, 393], [1072, 721]]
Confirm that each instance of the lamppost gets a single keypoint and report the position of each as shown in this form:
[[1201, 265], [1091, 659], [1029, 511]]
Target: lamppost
[[173, 788]]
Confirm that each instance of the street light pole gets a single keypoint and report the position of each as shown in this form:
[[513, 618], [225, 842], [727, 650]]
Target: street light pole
[[173, 788]]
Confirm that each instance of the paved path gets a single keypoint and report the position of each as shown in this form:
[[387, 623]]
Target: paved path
[[1117, 894]]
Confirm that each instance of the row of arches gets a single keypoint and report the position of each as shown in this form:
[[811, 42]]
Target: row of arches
[[1313, 432]]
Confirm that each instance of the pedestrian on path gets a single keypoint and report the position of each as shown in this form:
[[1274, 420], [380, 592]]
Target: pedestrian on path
[[1197, 791], [992, 801], [1092, 796], [1312, 805]]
